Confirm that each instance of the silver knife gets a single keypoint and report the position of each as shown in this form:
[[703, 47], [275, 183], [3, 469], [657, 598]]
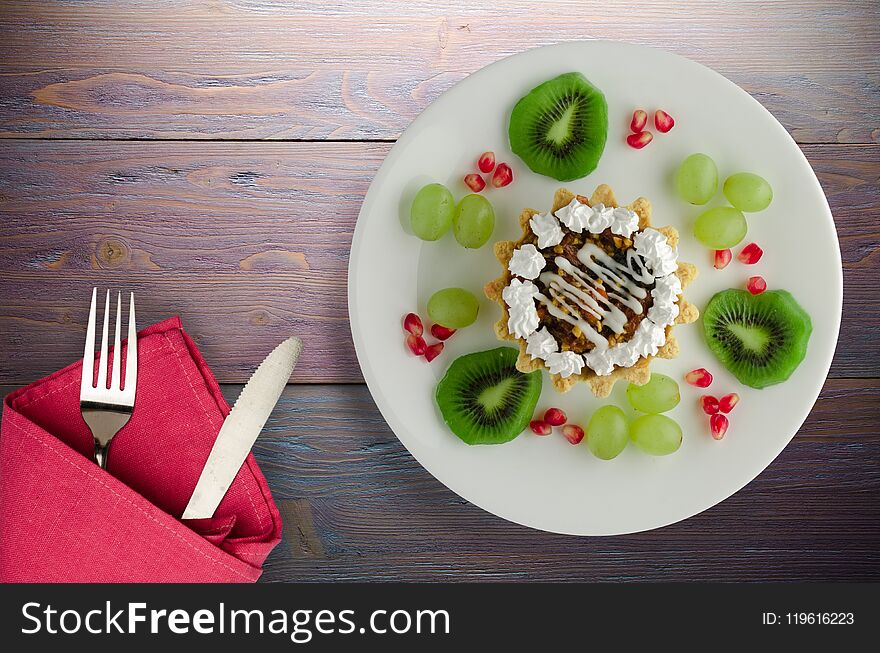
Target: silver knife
[[241, 428]]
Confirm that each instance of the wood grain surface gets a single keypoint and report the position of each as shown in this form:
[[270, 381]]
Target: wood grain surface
[[256, 236], [363, 70], [213, 155], [357, 506]]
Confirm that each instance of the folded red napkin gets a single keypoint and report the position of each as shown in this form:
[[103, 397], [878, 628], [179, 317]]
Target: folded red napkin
[[64, 519]]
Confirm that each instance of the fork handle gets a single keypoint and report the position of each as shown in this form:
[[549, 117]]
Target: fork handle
[[101, 451]]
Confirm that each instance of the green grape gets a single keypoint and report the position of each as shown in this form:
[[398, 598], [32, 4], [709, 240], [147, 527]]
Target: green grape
[[607, 432], [658, 395], [721, 227], [748, 192], [432, 211], [454, 308], [697, 179], [474, 221], [657, 435]]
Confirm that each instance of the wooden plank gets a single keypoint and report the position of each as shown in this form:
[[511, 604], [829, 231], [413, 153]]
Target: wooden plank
[[253, 69], [357, 506], [249, 242]]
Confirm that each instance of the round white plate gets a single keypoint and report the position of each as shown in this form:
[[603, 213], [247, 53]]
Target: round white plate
[[547, 483]]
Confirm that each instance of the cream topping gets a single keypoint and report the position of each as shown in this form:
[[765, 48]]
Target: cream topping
[[596, 219], [526, 262], [523, 316], [565, 363], [602, 288], [659, 256], [547, 229], [541, 343]]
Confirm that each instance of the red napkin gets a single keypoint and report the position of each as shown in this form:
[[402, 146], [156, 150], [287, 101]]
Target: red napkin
[[64, 519]]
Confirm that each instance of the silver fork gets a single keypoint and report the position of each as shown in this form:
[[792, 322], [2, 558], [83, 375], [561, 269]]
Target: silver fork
[[107, 407]]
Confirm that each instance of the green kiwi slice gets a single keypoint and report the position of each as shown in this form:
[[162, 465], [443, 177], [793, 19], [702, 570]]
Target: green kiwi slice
[[484, 399], [761, 339], [560, 127]]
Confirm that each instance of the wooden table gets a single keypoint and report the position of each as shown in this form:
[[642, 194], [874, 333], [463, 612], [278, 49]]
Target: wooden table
[[212, 156]]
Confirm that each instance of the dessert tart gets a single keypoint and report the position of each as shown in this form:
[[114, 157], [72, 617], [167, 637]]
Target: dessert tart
[[591, 291]]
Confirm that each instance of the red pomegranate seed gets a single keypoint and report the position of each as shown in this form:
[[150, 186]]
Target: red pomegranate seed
[[475, 182], [718, 423], [412, 323], [441, 332], [639, 120], [728, 402], [540, 427], [638, 141], [722, 258], [503, 175], [555, 417], [573, 433], [663, 121], [756, 285], [750, 254], [416, 344], [433, 351], [709, 404], [699, 377], [486, 162]]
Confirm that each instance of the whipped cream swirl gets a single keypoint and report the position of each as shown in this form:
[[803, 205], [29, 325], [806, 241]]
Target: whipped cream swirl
[[659, 256], [523, 316], [547, 229], [565, 363], [596, 219], [541, 343], [526, 262]]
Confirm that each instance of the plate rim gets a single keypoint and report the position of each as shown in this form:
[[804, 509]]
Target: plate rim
[[355, 253]]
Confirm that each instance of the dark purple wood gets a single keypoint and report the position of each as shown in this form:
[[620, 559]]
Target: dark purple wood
[[249, 243], [363, 70], [357, 506]]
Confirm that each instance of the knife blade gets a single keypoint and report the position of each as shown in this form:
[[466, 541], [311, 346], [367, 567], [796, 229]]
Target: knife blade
[[241, 428]]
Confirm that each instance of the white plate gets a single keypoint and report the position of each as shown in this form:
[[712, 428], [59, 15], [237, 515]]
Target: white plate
[[546, 483]]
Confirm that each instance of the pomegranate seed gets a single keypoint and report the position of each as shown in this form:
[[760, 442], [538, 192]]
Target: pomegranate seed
[[573, 433], [722, 258], [728, 402], [412, 323], [441, 332], [540, 427], [638, 141], [555, 417], [475, 182], [718, 423], [750, 254], [663, 121], [503, 175], [756, 285], [699, 377], [416, 344], [639, 120], [486, 162], [433, 351], [709, 404]]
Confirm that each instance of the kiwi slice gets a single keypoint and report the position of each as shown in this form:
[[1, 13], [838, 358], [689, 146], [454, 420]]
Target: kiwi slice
[[559, 128], [761, 339], [484, 399]]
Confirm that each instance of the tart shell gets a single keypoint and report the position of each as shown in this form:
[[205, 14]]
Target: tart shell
[[601, 386]]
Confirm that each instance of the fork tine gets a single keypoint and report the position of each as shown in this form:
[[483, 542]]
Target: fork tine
[[131, 360], [88, 368], [102, 362], [115, 379]]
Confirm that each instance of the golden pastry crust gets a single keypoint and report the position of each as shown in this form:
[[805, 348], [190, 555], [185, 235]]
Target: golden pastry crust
[[601, 386]]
